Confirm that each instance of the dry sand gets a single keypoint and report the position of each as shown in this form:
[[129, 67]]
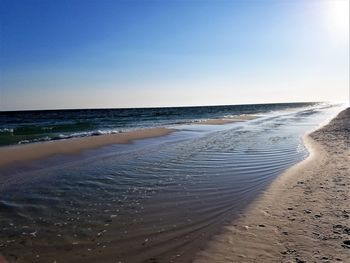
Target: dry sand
[[304, 215], [35, 151]]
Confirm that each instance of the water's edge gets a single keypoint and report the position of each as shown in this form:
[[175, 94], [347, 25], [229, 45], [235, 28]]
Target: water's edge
[[157, 199]]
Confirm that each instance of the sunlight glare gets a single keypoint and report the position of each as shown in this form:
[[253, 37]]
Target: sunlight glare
[[338, 17]]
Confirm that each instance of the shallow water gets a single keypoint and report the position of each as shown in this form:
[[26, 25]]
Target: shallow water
[[156, 200]]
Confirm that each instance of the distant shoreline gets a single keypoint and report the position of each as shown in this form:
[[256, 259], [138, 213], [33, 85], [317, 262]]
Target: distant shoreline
[[226, 120], [303, 216]]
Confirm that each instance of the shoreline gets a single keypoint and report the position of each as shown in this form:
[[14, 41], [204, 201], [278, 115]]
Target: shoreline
[[310, 220], [35, 151]]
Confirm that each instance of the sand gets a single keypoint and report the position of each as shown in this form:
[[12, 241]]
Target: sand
[[11, 154], [304, 215], [227, 120]]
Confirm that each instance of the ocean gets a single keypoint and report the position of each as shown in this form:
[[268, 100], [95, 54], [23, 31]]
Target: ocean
[[153, 200], [21, 127]]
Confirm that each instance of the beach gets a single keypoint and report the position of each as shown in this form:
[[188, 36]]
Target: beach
[[304, 215], [177, 194], [174, 131]]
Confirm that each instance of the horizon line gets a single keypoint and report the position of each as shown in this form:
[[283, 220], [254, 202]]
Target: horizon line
[[158, 107]]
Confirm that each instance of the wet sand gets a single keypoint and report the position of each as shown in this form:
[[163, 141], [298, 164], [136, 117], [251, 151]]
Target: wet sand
[[36, 151], [304, 215], [227, 120]]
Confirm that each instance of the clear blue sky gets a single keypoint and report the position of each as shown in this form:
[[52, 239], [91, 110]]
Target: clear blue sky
[[103, 53]]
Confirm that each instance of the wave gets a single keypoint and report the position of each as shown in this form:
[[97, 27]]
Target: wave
[[6, 130], [36, 126], [71, 135]]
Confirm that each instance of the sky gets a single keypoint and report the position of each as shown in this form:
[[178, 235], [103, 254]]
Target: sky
[[114, 54]]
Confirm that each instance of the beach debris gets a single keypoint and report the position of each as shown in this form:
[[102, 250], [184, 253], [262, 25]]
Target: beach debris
[[308, 211]]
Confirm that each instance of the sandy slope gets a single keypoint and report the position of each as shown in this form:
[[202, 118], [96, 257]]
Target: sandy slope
[[304, 216]]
